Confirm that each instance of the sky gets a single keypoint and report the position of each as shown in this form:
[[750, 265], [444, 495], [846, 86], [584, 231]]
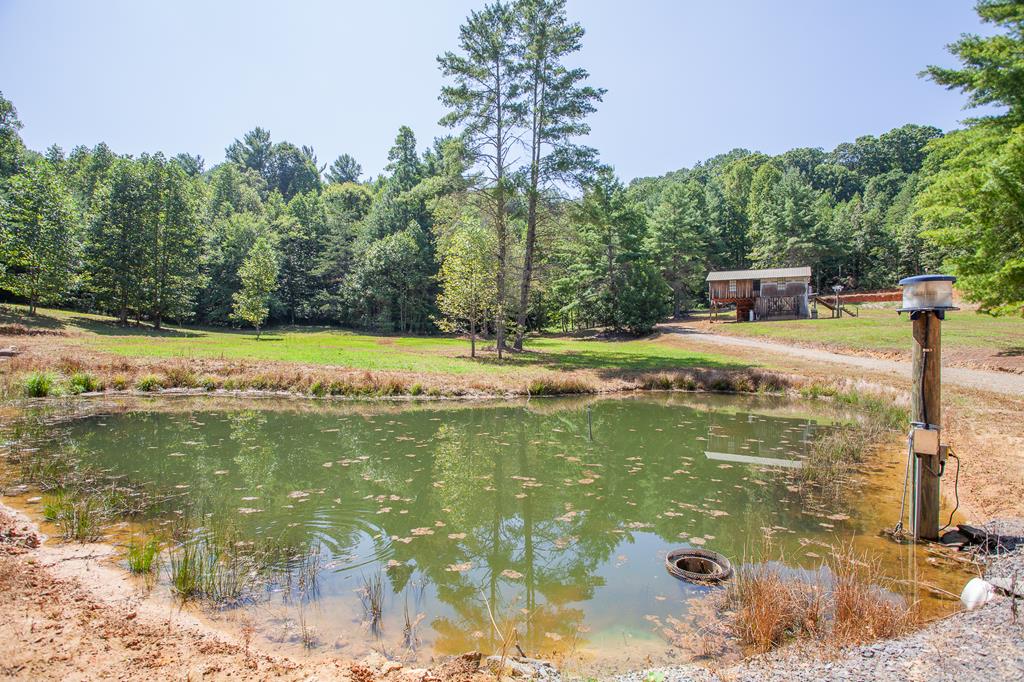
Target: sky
[[686, 80]]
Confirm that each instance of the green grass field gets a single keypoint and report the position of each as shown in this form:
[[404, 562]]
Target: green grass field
[[883, 329], [324, 346]]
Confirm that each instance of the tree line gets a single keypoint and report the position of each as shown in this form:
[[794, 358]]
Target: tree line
[[510, 224]]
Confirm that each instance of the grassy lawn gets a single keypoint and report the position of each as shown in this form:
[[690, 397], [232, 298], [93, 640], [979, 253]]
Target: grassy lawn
[[882, 329], [339, 348]]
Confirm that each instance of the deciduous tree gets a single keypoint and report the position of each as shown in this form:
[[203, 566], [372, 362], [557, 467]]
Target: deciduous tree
[[258, 275], [38, 253]]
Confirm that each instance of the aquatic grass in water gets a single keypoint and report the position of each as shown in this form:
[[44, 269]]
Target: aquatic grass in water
[[80, 519], [226, 570], [141, 555], [835, 453], [372, 596]]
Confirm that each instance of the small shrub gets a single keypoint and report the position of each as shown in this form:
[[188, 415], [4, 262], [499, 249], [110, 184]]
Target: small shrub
[[434, 392], [120, 382], [141, 555], [149, 382], [208, 383], [83, 382], [318, 389], [39, 385], [416, 389]]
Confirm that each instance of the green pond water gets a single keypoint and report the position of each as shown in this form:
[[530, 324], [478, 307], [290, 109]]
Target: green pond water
[[560, 511]]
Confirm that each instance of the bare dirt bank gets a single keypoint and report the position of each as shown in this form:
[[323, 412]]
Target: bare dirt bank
[[68, 615]]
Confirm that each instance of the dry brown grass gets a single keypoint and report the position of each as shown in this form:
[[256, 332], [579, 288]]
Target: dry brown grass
[[862, 611], [560, 384], [709, 379], [766, 606]]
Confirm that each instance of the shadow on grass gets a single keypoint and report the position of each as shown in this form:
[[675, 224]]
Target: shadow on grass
[[606, 363], [113, 328], [39, 321]]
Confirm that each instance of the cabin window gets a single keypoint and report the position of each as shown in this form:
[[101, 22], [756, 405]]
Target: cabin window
[[732, 286]]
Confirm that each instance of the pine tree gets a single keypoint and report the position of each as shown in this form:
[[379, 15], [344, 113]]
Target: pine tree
[[485, 99], [115, 248], [344, 169], [675, 241], [556, 104]]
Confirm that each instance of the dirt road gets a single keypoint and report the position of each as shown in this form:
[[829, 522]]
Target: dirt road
[[980, 379]]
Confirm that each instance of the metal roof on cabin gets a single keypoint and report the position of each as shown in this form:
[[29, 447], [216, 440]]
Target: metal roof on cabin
[[803, 271]]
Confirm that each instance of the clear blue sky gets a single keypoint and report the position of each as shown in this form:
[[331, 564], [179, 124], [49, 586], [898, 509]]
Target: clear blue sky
[[685, 79]]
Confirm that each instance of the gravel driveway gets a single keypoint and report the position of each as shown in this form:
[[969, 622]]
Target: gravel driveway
[[999, 382]]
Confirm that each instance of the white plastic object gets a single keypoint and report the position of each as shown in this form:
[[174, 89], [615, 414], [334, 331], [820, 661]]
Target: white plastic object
[[977, 592]]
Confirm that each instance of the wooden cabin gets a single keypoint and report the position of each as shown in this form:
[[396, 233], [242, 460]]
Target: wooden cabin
[[767, 293]]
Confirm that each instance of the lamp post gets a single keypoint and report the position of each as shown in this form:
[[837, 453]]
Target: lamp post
[[927, 298]]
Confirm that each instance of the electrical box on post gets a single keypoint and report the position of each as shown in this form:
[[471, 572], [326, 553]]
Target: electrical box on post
[[926, 441]]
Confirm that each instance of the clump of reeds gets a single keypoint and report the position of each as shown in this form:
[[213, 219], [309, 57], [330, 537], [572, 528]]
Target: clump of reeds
[[559, 384], [79, 519], [224, 569], [371, 594], [84, 382], [835, 453], [141, 555], [149, 382], [39, 384], [178, 376]]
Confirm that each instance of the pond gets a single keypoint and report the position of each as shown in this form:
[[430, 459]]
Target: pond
[[415, 526]]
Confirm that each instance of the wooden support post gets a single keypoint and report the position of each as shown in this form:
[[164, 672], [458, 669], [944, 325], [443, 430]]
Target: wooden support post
[[926, 408]]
